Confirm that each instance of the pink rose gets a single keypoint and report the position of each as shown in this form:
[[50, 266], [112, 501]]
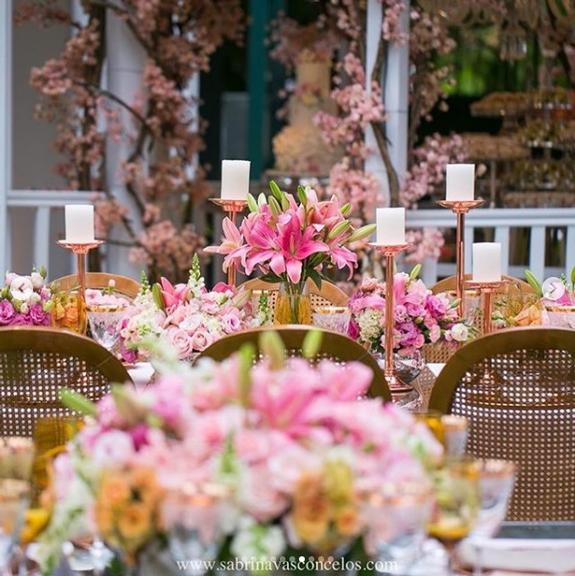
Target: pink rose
[[180, 340], [231, 322], [6, 313], [201, 339]]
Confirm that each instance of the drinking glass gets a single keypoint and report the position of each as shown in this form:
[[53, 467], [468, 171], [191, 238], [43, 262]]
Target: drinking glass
[[496, 481], [456, 487], [104, 321], [396, 517], [433, 420], [16, 458], [334, 318], [455, 435]]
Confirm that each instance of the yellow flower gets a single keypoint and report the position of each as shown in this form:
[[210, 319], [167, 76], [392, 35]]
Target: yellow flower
[[311, 508], [338, 482]]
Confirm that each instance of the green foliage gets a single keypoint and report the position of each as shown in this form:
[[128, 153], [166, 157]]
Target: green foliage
[[77, 402]]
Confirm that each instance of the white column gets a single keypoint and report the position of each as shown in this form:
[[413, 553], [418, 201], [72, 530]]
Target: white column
[[125, 64], [396, 95], [5, 125]]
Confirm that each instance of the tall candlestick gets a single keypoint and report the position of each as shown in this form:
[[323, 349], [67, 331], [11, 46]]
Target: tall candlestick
[[235, 179], [79, 223], [390, 226], [460, 182], [486, 262]]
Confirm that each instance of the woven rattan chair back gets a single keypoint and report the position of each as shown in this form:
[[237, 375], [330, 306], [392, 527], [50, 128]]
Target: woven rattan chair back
[[517, 388], [334, 346], [99, 280], [448, 284], [36, 363], [329, 295]]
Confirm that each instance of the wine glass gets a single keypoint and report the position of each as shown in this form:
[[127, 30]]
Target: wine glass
[[334, 318], [496, 481], [104, 321], [396, 517], [16, 458], [456, 487]]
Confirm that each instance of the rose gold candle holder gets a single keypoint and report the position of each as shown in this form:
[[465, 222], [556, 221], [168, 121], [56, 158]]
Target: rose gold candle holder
[[232, 208], [460, 208], [81, 250], [390, 253], [486, 289]]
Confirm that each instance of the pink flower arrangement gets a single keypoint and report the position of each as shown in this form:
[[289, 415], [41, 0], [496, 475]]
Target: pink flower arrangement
[[235, 445], [291, 241], [187, 316], [420, 317], [25, 300]]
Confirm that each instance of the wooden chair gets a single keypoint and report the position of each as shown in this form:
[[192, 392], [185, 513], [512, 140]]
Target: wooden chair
[[448, 284], [517, 388], [334, 346], [329, 295], [36, 363], [99, 280]]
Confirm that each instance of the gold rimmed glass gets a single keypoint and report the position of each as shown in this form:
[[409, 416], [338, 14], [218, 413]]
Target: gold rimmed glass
[[334, 318]]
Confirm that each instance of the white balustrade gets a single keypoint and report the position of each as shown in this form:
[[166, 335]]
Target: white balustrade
[[503, 221]]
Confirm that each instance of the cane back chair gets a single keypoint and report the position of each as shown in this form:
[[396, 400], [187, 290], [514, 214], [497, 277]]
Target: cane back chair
[[328, 295], [36, 363], [334, 346], [100, 280], [448, 284], [517, 388]]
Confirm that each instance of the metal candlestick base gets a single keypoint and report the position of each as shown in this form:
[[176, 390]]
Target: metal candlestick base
[[390, 252], [81, 249], [232, 208], [486, 289], [460, 208]]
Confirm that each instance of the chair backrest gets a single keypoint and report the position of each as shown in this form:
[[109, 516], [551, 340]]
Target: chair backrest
[[36, 363], [99, 280], [334, 346], [448, 284], [328, 295], [517, 388]]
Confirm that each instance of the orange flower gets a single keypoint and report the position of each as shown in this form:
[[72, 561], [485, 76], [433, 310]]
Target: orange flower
[[134, 524], [104, 517], [143, 480], [114, 490], [311, 508], [347, 521]]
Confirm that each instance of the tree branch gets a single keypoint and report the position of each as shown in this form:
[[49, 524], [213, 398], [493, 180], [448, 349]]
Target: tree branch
[[392, 177]]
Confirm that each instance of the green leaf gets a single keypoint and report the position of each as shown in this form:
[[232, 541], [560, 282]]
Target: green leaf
[[262, 200], [252, 204], [247, 354], [316, 278], [363, 232], [158, 297], [272, 346], [302, 195], [77, 402], [271, 278], [534, 283], [573, 278], [415, 272], [312, 343]]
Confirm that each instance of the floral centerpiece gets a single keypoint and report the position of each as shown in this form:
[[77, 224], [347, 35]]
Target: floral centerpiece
[[238, 458], [25, 300], [556, 305], [186, 315], [420, 316], [290, 241]]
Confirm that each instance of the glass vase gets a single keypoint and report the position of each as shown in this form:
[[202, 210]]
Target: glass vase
[[293, 304]]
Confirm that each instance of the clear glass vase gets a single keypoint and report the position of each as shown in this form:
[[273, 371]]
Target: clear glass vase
[[293, 304]]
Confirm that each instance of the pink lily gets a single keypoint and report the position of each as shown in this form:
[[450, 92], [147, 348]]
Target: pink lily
[[294, 247], [342, 257], [173, 295], [232, 246]]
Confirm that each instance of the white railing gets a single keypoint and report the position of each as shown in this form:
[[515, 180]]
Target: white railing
[[503, 220]]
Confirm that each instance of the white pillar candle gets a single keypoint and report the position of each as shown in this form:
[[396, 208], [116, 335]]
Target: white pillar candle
[[486, 262], [235, 179], [390, 226], [79, 223], [460, 182]]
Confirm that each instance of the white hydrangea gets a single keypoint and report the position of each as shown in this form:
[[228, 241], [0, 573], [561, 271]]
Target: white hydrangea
[[254, 542], [369, 322]]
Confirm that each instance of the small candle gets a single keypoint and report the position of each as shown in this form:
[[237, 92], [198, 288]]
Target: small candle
[[390, 226], [79, 223], [235, 179], [460, 182], [486, 262]]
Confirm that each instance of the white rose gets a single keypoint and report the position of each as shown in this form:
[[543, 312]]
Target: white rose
[[21, 288], [256, 541], [460, 332], [10, 277], [24, 308], [37, 280]]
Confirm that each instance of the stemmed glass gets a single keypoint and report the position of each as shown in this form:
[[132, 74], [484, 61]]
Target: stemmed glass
[[104, 322], [396, 517], [16, 458], [496, 481], [456, 503]]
